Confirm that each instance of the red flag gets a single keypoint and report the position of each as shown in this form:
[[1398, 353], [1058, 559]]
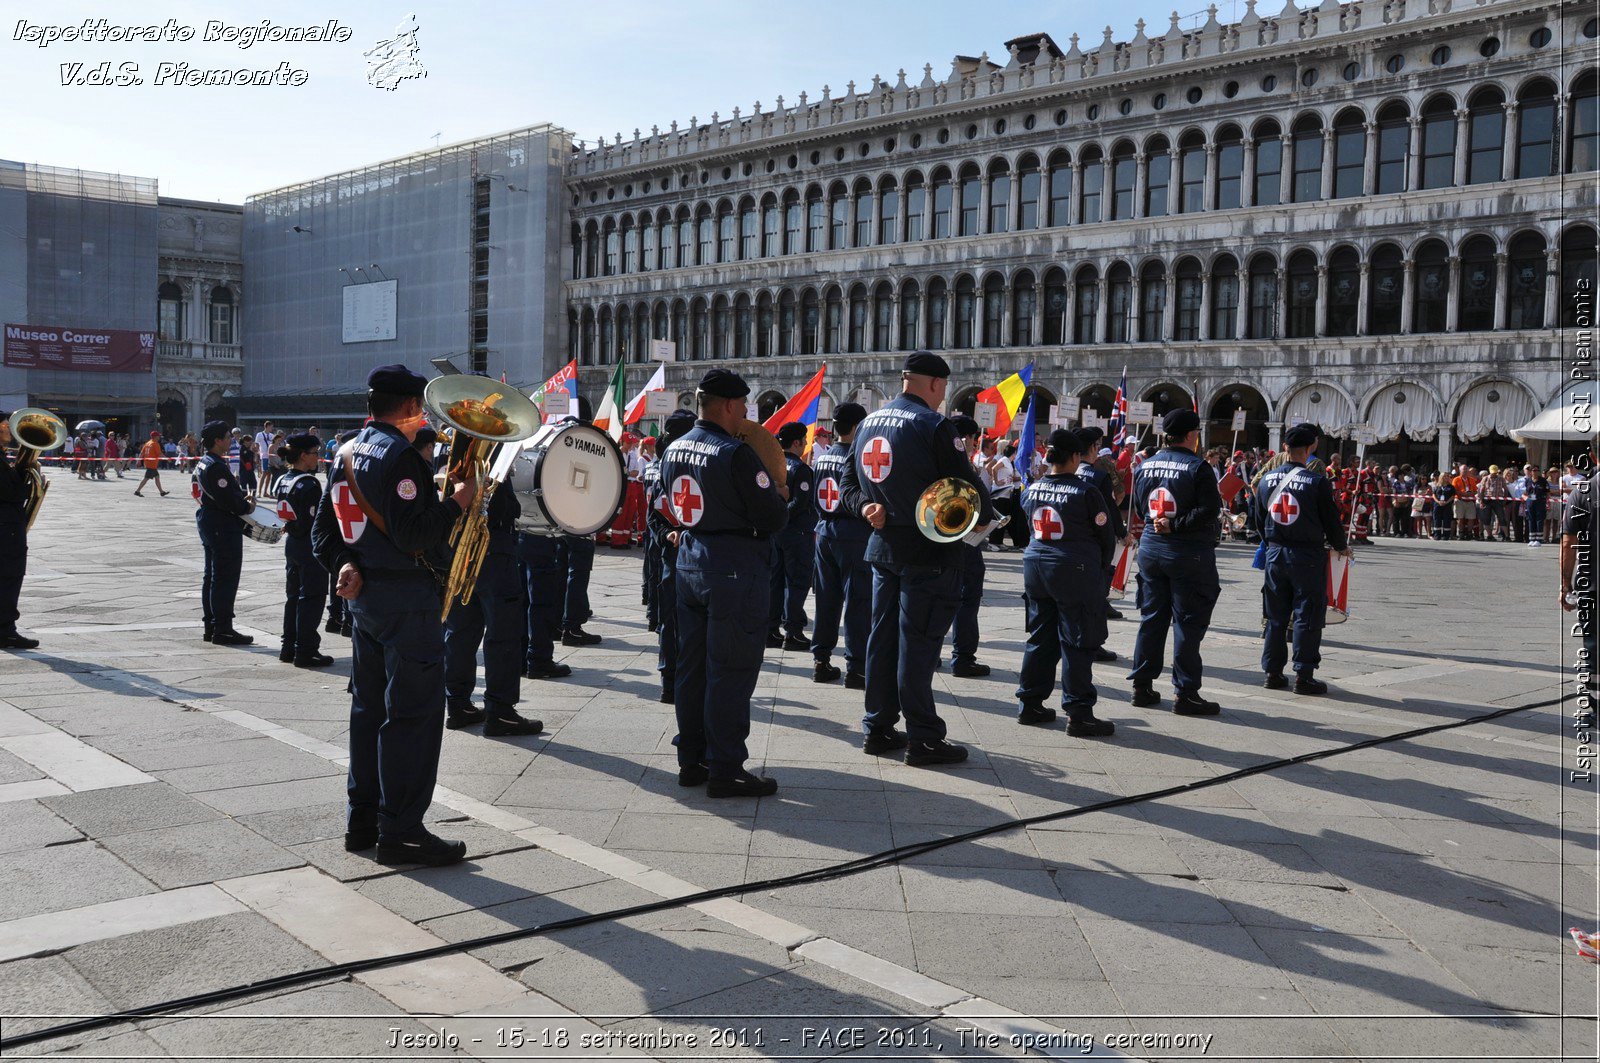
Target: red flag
[[1119, 570], [1338, 588], [1230, 485]]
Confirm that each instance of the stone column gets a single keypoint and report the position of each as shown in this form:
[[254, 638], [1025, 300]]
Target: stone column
[[197, 329], [1286, 173], [1446, 445], [1247, 176], [894, 321], [1069, 320], [1508, 152], [1169, 306], [1327, 162], [1274, 436], [849, 241], [196, 414], [1414, 159], [1369, 160], [1280, 302], [1241, 316], [1361, 300], [1141, 183], [1451, 303], [1075, 200], [875, 237], [1406, 293], [1552, 287], [1462, 146], [1205, 307], [1208, 195], [1100, 310], [984, 181], [1044, 194], [1559, 132], [1005, 317], [1502, 297], [1321, 327]]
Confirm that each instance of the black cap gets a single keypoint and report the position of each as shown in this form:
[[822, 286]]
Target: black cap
[[677, 423], [396, 380], [1067, 441], [425, 435], [791, 433], [964, 427], [926, 363], [1303, 434], [1180, 422], [302, 443], [724, 384], [1091, 434], [212, 431], [847, 415]]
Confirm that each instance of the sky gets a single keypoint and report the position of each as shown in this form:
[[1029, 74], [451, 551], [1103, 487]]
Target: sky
[[595, 68]]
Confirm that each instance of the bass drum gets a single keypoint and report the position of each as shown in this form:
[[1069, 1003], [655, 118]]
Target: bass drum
[[568, 479]]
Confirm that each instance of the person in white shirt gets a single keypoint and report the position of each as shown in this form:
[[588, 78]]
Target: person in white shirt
[[264, 443]]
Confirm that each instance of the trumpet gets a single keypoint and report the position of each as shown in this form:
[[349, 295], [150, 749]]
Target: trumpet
[[948, 510], [481, 416], [35, 431]]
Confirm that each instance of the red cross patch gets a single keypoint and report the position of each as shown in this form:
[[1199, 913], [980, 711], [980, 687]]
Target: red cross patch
[[687, 501], [1161, 504], [285, 510], [877, 459], [1284, 508], [828, 494], [352, 522], [1047, 526], [194, 489]]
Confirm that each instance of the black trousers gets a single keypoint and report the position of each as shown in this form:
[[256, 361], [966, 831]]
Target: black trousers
[[13, 564], [305, 590]]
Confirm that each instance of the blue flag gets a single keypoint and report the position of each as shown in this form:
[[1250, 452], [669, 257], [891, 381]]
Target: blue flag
[[1025, 444]]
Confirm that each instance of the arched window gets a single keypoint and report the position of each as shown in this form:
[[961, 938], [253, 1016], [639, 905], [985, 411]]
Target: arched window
[[1475, 297], [1439, 143], [577, 252], [999, 196], [1386, 277], [624, 336], [1344, 292], [810, 322], [221, 315], [787, 322], [708, 242], [741, 326], [1123, 175], [1119, 303], [1060, 188], [910, 316], [1094, 180], [833, 321], [839, 220], [1230, 167], [608, 337], [586, 352], [1577, 277], [1583, 124], [916, 205], [1158, 177], [966, 313], [685, 238], [591, 250], [1055, 307], [1536, 134], [641, 333], [1269, 165], [613, 247], [971, 197], [859, 310], [888, 215], [1152, 301], [700, 331], [771, 228], [1263, 321], [169, 311], [749, 229], [1302, 296], [1486, 136], [680, 325], [938, 313], [647, 243], [816, 220], [993, 311], [1394, 134], [1224, 298], [1192, 174], [794, 223], [630, 245], [1307, 144], [1527, 268], [883, 317], [1024, 299], [764, 325], [940, 186], [1349, 154], [1190, 293], [1430, 293], [660, 329], [721, 327], [863, 209], [1028, 193], [1086, 288], [574, 348]]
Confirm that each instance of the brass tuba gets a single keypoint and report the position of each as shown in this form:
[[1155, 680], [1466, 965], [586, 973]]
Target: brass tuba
[[948, 510], [35, 431], [481, 415]]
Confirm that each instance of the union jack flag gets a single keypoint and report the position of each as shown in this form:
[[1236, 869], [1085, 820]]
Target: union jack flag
[[1117, 426]]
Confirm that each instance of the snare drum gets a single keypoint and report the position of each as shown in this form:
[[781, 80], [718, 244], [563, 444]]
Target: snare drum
[[263, 524], [568, 479]]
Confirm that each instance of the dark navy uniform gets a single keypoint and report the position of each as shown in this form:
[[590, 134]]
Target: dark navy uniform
[[222, 503], [661, 523], [305, 581], [397, 667], [728, 508], [1178, 585], [1298, 518], [494, 617], [544, 570], [794, 553], [13, 545], [649, 591], [899, 451], [1070, 543], [843, 577]]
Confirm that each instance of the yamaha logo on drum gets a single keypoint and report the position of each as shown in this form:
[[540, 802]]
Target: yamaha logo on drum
[[588, 445]]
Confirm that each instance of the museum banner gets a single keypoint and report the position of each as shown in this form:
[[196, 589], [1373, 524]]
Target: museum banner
[[81, 350]]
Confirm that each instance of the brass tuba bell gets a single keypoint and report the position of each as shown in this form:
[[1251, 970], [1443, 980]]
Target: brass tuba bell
[[948, 510], [35, 431]]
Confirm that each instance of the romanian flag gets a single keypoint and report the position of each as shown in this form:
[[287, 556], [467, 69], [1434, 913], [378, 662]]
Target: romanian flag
[[802, 408], [1006, 396]]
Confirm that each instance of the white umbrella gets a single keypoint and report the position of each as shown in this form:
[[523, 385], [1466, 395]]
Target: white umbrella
[[1572, 415], [90, 426]]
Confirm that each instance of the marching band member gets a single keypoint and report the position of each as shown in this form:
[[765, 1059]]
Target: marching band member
[[298, 492], [663, 525], [916, 585], [13, 543], [1178, 585], [793, 548], [650, 582], [339, 622], [843, 578], [1296, 513], [728, 507], [1063, 583], [1102, 473], [222, 503], [964, 631]]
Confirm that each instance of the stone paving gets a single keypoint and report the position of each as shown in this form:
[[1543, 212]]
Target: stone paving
[[170, 816]]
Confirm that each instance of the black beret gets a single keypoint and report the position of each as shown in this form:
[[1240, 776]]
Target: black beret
[[926, 363], [847, 415], [678, 423], [302, 443], [791, 433], [964, 427], [724, 384], [1091, 434], [425, 435], [396, 380], [1067, 441], [212, 431], [1303, 434], [1180, 422]]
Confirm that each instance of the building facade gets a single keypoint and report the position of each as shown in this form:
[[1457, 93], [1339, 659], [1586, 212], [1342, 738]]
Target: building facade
[[1374, 213], [199, 294]]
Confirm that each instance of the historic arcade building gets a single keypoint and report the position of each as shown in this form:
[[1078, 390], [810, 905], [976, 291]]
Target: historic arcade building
[[1379, 212]]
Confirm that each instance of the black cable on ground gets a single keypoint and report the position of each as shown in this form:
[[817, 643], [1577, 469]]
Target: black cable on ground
[[822, 874]]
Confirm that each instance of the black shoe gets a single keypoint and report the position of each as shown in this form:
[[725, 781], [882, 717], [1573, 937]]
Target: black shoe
[[855, 681], [231, 638], [929, 754], [312, 660], [1144, 694], [579, 637], [878, 743], [797, 642], [286, 654], [332, 627], [652, 627], [1309, 685], [774, 640], [547, 670], [466, 716], [824, 672], [210, 634], [968, 669], [693, 775], [1035, 715], [512, 725], [1113, 613], [17, 642], [1275, 681], [667, 696], [1194, 705], [430, 850], [1089, 727], [360, 839], [743, 784], [347, 629], [1102, 655]]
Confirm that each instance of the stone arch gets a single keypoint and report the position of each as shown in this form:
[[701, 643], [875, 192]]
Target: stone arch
[[1419, 420], [1324, 403], [1511, 414]]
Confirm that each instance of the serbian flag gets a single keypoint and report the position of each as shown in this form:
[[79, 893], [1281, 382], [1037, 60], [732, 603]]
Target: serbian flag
[[1119, 570], [802, 408], [635, 410], [1338, 588], [1117, 426], [1006, 396], [608, 418]]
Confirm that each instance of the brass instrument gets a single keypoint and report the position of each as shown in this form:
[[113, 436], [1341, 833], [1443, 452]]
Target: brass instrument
[[769, 450], [481, 415], [948, 510], [35, 431]]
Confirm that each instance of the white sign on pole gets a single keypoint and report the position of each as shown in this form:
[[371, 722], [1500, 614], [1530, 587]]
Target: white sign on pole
[[824, 408], [1092, 419], [1141, 412], [1363, 434], [986, 414], [1069, 409], [752, 412], [1238, 420], [1055, 415], [663, 351], [659, 403]]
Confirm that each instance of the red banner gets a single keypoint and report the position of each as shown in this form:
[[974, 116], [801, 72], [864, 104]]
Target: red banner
[[80, 350]]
